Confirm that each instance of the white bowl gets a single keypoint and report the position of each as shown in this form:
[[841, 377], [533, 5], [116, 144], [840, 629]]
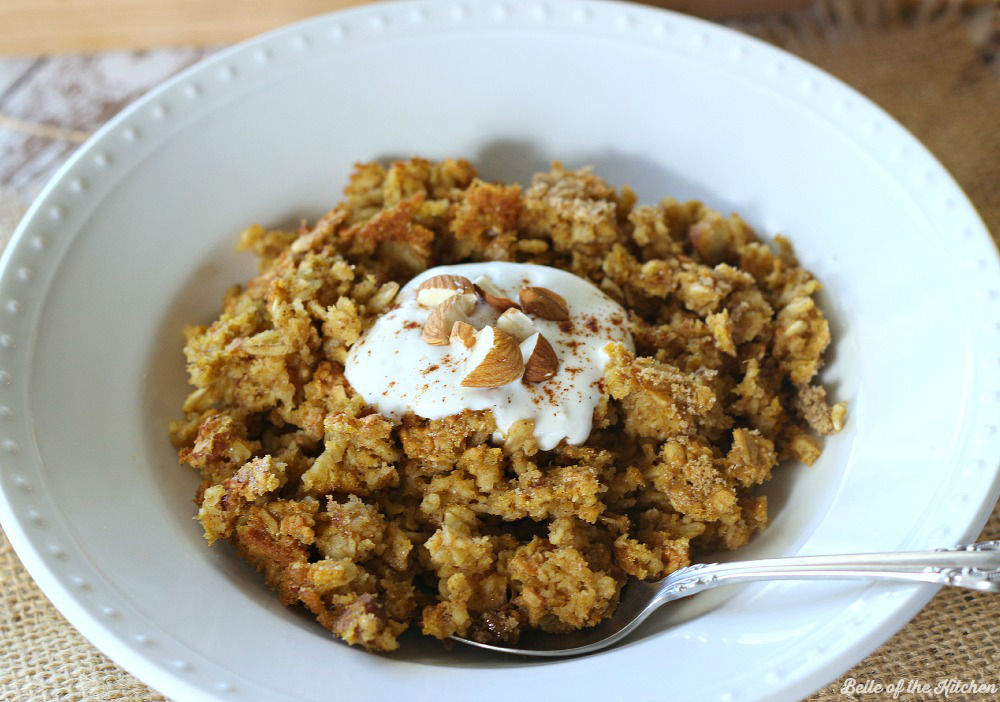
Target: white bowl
[[135, 236]]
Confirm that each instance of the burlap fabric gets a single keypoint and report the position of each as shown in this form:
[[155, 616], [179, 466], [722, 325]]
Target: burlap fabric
[[933, 67]]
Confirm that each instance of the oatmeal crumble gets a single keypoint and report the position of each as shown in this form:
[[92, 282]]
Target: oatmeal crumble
[[376, 524]]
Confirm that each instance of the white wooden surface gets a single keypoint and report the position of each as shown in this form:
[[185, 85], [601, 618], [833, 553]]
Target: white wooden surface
[[48, 106]]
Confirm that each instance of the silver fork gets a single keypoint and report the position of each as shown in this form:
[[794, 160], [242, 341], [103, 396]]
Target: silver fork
[[974, 566]]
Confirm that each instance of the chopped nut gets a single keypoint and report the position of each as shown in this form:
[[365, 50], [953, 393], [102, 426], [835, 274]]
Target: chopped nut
[[540, 361], [463, 334], [437, 328], [711, 238], [517, 324], [496, 360], [492, 295], [544, 303], [433, 291]]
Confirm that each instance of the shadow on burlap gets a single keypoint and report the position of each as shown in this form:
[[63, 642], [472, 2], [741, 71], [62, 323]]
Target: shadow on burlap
[[934, 69]]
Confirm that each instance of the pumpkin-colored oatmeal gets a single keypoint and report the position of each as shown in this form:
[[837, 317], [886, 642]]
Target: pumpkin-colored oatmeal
[[375, 524]]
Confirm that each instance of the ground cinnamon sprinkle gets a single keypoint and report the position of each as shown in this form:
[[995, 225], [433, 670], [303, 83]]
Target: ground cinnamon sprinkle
[[375, 525]]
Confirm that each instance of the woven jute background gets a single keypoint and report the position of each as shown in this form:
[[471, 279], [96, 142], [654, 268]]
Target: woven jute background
[[930, 64]]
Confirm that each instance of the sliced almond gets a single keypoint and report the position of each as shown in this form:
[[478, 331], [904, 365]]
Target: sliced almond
[[517, 324], [540, 361], [463, 335], [544, 303], [492, 295], [437, 328], [495, 360], [433, 291]]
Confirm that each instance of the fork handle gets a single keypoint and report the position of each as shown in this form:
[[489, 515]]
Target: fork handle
[[974, 566]]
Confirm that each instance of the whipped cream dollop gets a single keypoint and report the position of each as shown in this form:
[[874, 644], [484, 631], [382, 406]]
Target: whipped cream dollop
[[397, 372]]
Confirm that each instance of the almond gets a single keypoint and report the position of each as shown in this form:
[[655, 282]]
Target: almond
[[495, 360], [540, 361], [517, 324], [456, 308], [492, 295], [711, 238], [463, 334], [433, 291], [544, 303]]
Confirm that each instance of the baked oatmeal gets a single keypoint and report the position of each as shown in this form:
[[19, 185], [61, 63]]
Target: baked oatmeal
[[479, 409]]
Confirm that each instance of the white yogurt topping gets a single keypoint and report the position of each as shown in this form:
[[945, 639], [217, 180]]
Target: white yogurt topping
[[397, 372]]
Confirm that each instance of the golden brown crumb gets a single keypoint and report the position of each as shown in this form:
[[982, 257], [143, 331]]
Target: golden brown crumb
[[375, 525]]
